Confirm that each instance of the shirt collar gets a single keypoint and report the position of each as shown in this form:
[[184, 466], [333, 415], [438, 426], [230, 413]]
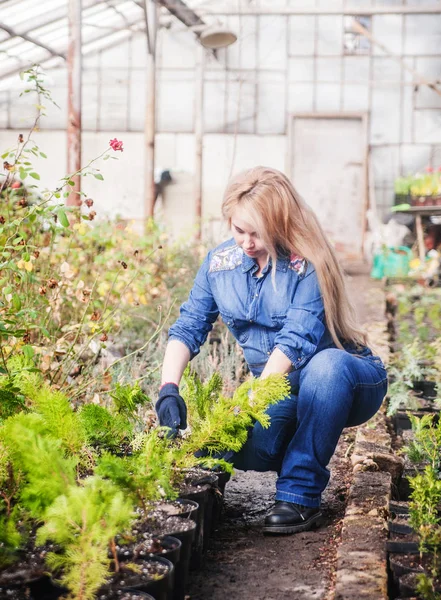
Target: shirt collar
[[248, 263]]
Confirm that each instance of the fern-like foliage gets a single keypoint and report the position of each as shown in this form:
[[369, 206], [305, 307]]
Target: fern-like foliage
[[38, 460], [147, 475], [56, 411], [10, 539], [127, 399], [11, 400], [226, 425], [200, 397], [11, 482], [104, 429], [82, 521]]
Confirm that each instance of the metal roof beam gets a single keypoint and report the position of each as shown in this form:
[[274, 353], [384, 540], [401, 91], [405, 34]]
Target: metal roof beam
[[42, 61], [32, 40], [181, 11], [223, 10]]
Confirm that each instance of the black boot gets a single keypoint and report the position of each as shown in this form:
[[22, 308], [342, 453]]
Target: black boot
[[288, 517]]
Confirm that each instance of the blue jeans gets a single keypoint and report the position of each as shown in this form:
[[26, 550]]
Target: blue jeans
[[334, 390]]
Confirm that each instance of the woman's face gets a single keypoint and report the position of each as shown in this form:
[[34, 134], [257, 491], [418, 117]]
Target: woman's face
[[247, 238]]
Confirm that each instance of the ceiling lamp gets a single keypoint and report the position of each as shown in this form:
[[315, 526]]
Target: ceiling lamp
[[217, 36]]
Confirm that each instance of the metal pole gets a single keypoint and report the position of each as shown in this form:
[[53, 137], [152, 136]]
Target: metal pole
[[74, 72], [199, 137], [150, 11]]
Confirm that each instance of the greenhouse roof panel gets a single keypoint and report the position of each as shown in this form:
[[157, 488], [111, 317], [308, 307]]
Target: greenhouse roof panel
[[34, 31]]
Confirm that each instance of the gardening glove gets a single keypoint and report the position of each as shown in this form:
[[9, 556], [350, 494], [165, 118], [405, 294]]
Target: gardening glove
[[171, 409]]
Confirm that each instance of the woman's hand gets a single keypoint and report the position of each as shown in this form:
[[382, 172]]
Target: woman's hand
[[171, 409], [277, 363]]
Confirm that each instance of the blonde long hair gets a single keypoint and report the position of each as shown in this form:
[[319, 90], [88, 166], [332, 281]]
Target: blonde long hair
[[287, 225]]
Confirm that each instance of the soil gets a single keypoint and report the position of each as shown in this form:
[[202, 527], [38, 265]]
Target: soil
[[148, 547], [243, 563], [146, 571]]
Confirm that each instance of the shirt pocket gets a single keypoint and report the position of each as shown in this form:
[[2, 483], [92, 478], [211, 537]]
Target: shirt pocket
[[238, 328]]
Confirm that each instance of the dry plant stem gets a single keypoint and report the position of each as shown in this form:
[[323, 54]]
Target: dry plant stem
[[52, 194], [127, 285], [57, 293], [7, 502], [112, 312], [19, 150], [80, 326], [151, 338], [4, 360], [112, 547]]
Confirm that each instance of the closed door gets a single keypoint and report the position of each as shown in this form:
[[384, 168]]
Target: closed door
[[328, 169]]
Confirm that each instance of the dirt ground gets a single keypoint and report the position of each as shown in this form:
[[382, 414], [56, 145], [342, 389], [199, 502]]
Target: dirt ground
[[241, 562]]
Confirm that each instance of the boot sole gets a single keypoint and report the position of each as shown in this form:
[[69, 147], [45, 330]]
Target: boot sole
[[312, 523]]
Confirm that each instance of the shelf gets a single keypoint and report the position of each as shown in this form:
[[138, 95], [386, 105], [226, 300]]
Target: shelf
[[421, 210]]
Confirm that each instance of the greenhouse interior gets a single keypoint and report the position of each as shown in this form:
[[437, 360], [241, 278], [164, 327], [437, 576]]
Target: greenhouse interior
[[220, 309]]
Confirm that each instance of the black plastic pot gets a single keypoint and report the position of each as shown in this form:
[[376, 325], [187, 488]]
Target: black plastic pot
[[401, 419], [223, 477], [45, 588], [183, 566], [402, 198], [212, 509], [407, 585], [401, 564], [402, 544], [160, 589], [427, 388], [399, 525], [193, 507], [399, 507], [201, 498], [171, 549]]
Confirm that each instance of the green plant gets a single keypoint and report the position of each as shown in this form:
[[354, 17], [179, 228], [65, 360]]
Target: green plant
[[200, 397], [423, 505], [400, 393], [39, 463], [426, 585], [426, 443], [10, 514], [425, 498], [148, 474], [222, 423], [104, 429], [83, 521], [127, 399], [426, 184], [402, 185]]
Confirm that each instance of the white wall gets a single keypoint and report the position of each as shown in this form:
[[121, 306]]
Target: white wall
[[121, 192], [280, 65]]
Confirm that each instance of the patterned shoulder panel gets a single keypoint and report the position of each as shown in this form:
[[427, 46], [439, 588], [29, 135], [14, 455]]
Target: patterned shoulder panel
[[226, 259], [298, 264]]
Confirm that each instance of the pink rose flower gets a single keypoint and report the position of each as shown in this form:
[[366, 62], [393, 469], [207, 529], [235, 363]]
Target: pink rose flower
[[116, 145]]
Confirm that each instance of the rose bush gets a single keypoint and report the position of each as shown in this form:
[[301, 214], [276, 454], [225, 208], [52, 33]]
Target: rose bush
[[70, 289]]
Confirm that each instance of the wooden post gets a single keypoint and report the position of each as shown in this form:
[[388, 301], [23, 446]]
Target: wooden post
[[199, 137], [420, 238], [150, 114], [150, 128], [74, 75]]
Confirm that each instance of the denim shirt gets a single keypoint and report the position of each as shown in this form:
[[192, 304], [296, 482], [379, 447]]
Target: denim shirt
[[261, 318]]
